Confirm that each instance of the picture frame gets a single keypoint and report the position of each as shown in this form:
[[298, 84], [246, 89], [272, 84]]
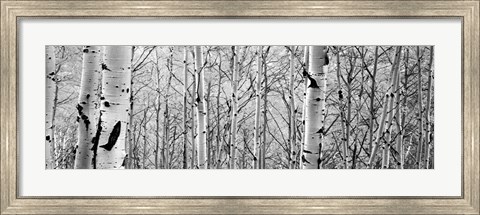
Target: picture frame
[[467, 203]]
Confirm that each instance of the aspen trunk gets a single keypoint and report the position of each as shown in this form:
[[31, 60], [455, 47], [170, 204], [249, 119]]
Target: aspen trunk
[[304, 108], [166, 115], [185, 89], [380, 136], [349, 114], [130, 138], [145, 143], [158, 108], [233, 131], [192, 112], [218, 147], [398, 125], [114, 109], [200, 100], [256, 141], [315, 100], [403, 113], [265, 109], [420, 111], [343, 119], [292, 110], [372, 100], [207, 126], [51, 86], [87, 105], [427, 111], [394, 94]]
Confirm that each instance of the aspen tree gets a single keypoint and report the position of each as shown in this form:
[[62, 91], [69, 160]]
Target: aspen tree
[[420, 111], [398, 143], [207, 125], [166, 114], [51, 88], [233, 131], [256, 141], [398, 125], [200, 101], [292, 110], [192, 112], [372, 100], [304, 108], [344, 141], [427, 111], [158, 109], [145, 143], [218, 147], [185, 92], [380, 136], [403, 112], [349, 111], [109, 143], [315, 99], [391, 108], [88, 105], [265, 106], [130, 155]]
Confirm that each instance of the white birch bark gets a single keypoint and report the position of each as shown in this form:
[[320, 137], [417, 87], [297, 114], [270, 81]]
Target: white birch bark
[[315, 110], [256, 141], [233, 131], [166, 121], [380, 136], [304, 108], [185, 89], [293, 126], [50, 106], [403, 113], [420, 111], [372, 100], [130, 137], [114, 109], [391, 107], [192, 112], [428, 126], [88, 105], [200, 100]]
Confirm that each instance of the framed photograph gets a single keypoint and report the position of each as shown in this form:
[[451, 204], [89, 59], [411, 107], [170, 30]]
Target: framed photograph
[[239, 107]]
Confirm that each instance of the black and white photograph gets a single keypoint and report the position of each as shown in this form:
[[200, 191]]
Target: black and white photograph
[[239, 107]]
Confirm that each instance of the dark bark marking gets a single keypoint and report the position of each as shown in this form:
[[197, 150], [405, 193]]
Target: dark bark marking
[[82, 116], [125, 159], [95, 141], [313, 83], [321, 130], [104, 67], [112, 139], [326, 62], [304, 160]]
